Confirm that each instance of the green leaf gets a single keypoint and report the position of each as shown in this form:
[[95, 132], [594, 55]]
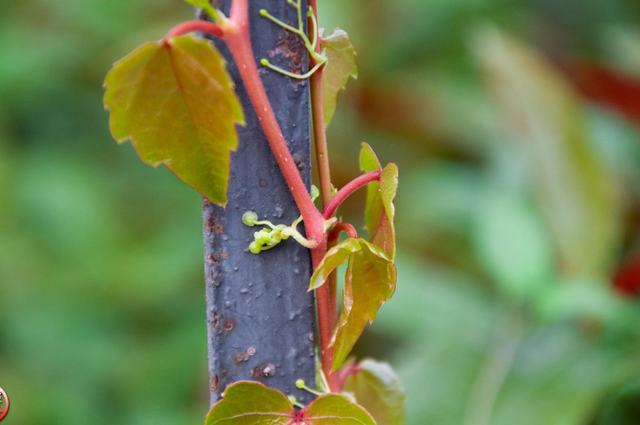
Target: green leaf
[[175, 102], [341, 65], [575, 190], [335, 409], [370, 282], [379, 209], [385, 234], [368, 159], [251, 403], [377, 388], [334, 258], [373, 207]]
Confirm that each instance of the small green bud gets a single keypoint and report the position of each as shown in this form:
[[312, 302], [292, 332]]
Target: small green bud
[[255, 248], [264, 62], [263, 12], [263, 236], [292, 399], [275, 238], [249, 218], [300, 383]]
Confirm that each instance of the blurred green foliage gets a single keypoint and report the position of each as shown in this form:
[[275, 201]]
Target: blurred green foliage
[[518, 201]]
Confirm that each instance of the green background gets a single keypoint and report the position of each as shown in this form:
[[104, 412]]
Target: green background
[[504, 312]]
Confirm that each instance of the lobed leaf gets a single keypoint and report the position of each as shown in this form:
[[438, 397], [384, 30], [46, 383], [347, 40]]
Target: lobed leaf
[[251, 403], [377, 388], [379, 209], [175, 102], [340, 67]]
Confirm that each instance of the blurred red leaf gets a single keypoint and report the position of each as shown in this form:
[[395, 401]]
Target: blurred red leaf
[[605, 86], [627, 279]]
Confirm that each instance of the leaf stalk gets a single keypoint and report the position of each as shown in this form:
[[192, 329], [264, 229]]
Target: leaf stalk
[[348, 190]]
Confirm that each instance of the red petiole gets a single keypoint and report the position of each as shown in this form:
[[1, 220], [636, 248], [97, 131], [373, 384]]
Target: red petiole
[[193, 26], [342, 227], [348, 190]]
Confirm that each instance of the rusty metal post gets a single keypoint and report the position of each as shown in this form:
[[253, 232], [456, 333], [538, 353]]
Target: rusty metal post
[[261, 319]]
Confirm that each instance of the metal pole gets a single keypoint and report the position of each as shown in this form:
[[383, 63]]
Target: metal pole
[[261, 320]]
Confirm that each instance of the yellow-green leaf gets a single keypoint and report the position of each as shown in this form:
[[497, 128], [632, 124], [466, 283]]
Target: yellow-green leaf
[[370, 281], [368, 159], [175, 102], [377, 388], [334, 409], [385, 235], [379, 213], [341, 66], [334, 258], [251, 403], [543, 112], [373, 208]]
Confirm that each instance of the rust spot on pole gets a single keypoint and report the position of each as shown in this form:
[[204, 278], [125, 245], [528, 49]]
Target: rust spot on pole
[[241, 357], [292, 51], [228, 325], [264, 371]]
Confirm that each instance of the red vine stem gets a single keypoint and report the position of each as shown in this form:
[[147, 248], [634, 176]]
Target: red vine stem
[[239, 43], [316, 85], [348, 190], [319, 129]]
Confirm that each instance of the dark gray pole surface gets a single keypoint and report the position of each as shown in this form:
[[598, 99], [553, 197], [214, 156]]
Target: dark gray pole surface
[[260, 317]]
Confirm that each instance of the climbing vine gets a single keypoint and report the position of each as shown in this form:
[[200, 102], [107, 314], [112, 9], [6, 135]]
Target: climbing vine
[[175, 102]]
